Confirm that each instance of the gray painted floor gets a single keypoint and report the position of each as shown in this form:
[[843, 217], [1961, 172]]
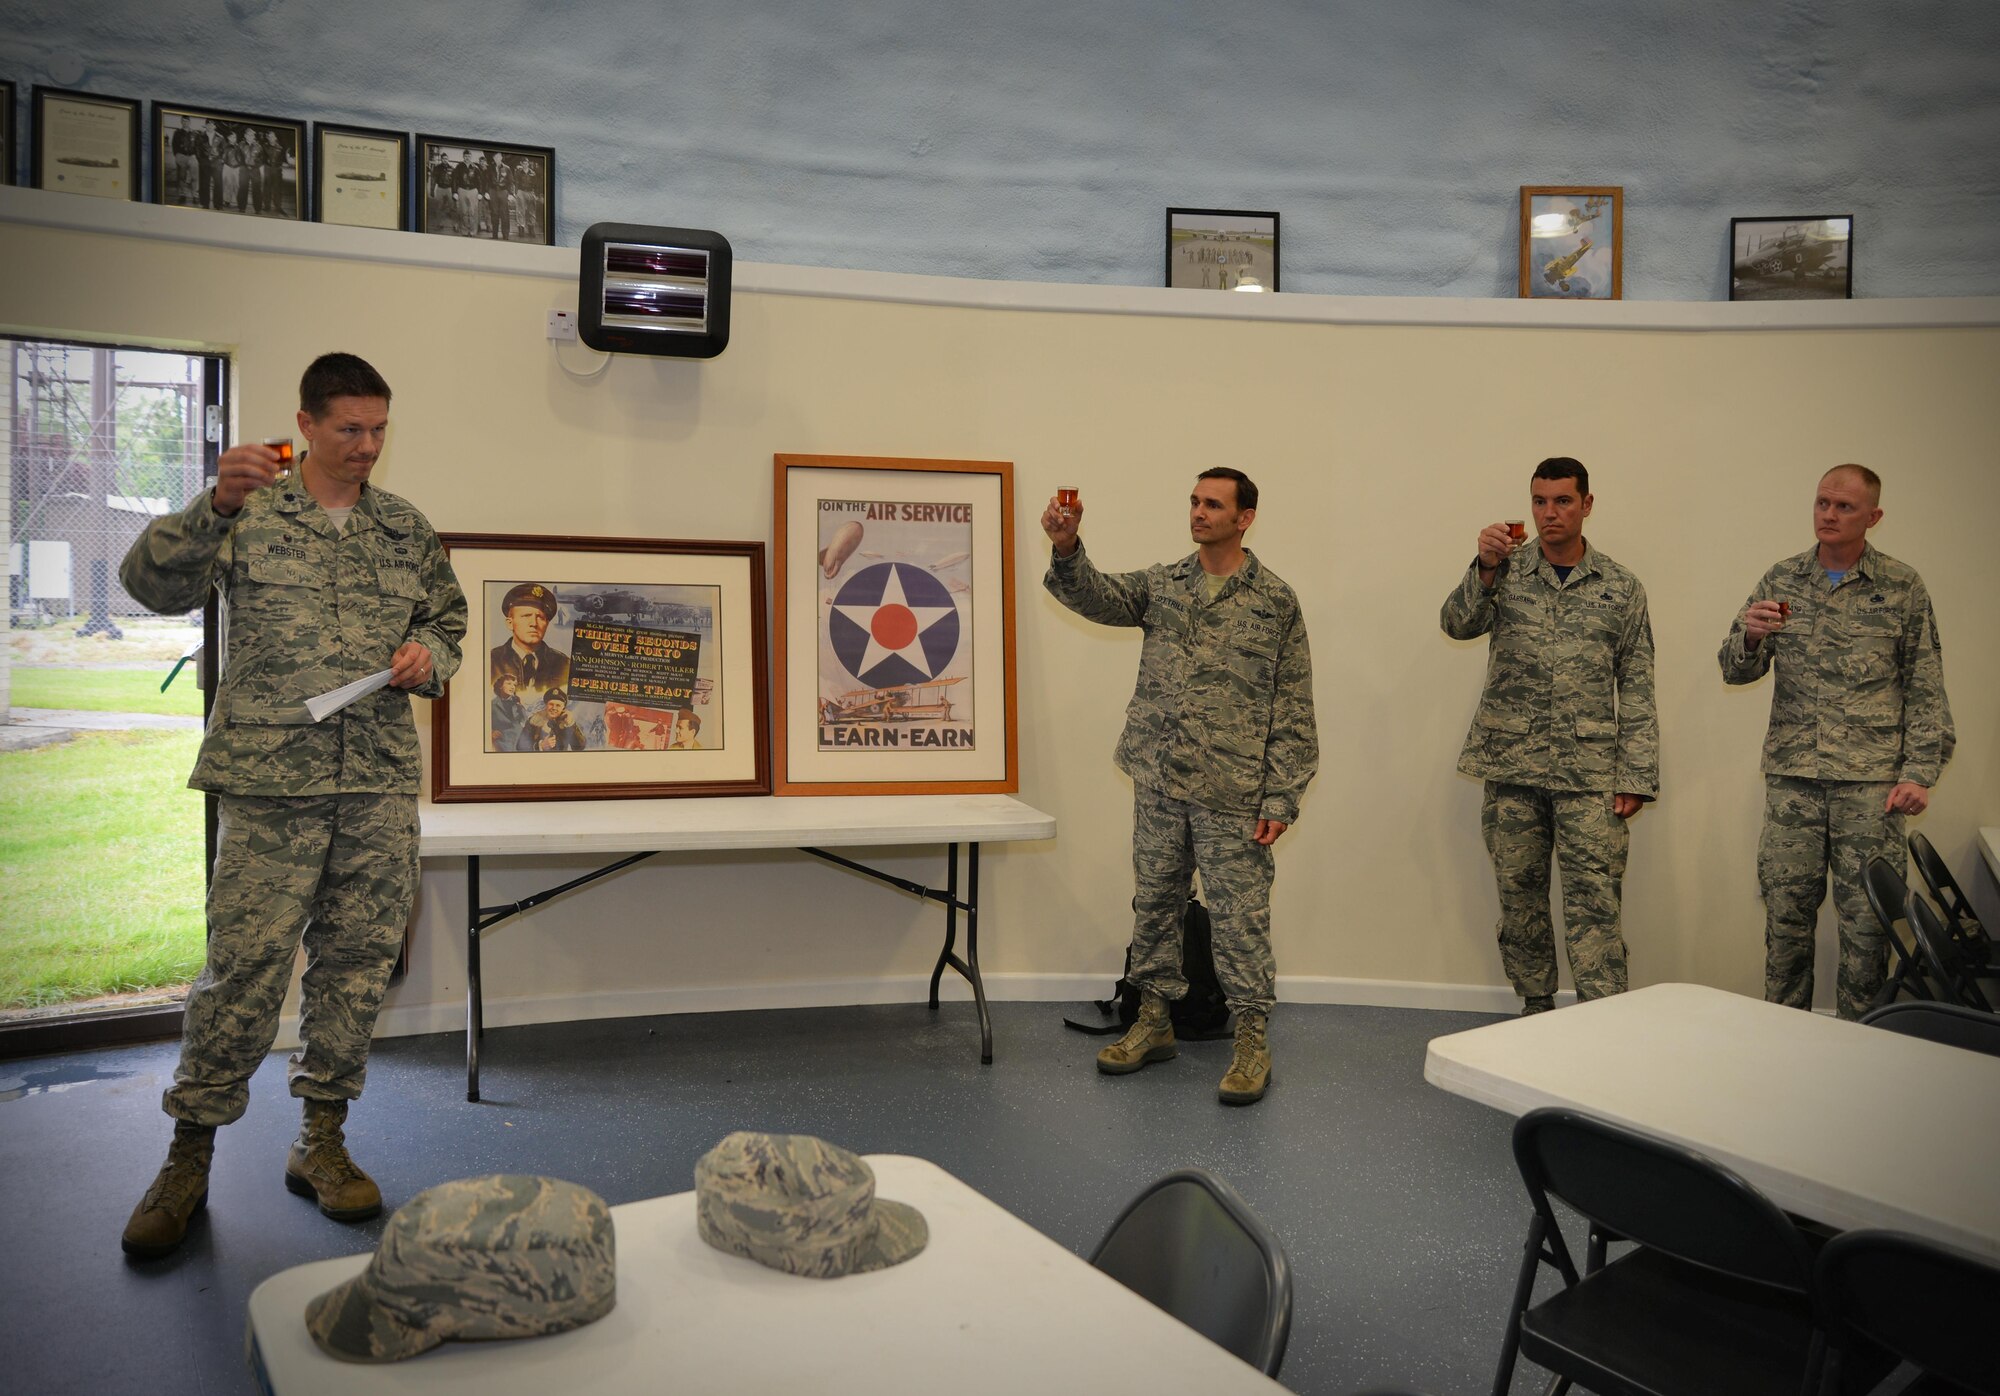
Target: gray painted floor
[[1398, 1204]]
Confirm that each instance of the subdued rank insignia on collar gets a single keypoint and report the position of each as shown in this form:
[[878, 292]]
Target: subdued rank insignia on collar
[[1876, 597]]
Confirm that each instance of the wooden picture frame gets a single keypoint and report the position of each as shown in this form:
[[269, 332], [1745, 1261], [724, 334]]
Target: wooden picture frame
[[1573, 242], [1804, 257], [230, 162], [653, 648], [895, 626], [1222, 249], [85, 143], [361, 177], [7, 157], [465, 205]]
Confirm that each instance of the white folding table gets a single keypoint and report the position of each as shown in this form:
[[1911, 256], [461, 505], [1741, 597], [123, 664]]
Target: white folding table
[[641, 828], [1989, 845], [990, 1305], [1848, 1125]]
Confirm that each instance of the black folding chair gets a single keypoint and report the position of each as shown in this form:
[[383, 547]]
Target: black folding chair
[[1948, 1023], [1958, 980], [1960, 921], [1888, 897], [1714, 1300], [1931, 1306], [1191, 1245]]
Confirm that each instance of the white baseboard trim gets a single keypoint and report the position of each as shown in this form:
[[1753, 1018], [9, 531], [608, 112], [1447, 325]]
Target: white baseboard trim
[[415, 1019]]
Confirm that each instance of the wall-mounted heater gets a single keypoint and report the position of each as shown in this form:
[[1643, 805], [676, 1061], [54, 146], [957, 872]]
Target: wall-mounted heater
[[647, 290]]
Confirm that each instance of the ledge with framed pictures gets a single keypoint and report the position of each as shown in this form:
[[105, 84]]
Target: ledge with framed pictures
[[605, 668], [1799, 258], [895, 626], [229, 162], [361, 176], [85, 143], [486, 189]]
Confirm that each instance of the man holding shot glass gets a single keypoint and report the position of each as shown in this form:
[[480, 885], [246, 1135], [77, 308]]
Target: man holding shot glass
[[1860, 731], [1566, 738], [326, 578], [1219, 742]]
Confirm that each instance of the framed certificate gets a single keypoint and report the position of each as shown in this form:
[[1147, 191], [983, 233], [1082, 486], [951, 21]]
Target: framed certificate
[[361, 177], [229, 161], [85, 143]]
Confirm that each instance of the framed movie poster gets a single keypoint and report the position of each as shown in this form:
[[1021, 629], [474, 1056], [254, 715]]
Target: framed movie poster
[[605, 668], [1222, 249], [85, 143], [1800, 258], [7, 132], [361, 177], [480, 189], [1573, 242], [228, 161], [895, 614]]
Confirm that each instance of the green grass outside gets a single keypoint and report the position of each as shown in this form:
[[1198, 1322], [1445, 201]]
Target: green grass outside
[[106, 690], [100, 867]]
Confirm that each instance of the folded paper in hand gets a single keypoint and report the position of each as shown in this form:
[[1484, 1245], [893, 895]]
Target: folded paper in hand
[[328, 704]]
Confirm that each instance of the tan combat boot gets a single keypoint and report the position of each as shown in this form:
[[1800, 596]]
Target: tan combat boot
[[1149, 1039], [160, 1221], [320, 1168], [1249, 1073]]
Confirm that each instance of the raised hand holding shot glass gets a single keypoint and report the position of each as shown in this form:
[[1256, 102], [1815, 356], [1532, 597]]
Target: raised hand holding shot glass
[[283, 446], [244, 469], [1497, 542], [1062, 519]]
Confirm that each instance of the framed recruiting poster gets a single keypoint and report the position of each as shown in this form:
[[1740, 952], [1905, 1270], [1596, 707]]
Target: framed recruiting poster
[[604, 668], [85, 143], [895, 612]]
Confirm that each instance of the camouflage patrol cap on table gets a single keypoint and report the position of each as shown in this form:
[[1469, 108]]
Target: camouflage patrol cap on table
[[506, 1256], [533, 594], [801, 1205]]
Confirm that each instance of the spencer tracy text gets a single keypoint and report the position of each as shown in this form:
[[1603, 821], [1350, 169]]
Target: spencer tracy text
[[894, 738], [887, 511]]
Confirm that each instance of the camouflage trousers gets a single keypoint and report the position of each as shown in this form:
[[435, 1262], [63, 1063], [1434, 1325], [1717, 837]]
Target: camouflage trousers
[[1171, 840], [341, 870], [1523, 825], [1810, 825]]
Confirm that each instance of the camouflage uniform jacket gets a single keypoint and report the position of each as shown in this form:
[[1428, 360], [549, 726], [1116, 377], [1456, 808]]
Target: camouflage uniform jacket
[[307, 610], [1860, 673], [1222, 715], [1569, 676]]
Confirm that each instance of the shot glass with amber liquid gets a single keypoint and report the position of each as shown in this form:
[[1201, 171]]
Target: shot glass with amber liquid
[[1517, 530], [283, 446], [1066, 501]]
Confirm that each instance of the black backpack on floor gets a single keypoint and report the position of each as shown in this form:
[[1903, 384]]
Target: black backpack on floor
[[1200, 1013]]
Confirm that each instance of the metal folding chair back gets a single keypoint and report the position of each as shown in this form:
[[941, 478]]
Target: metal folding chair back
[[1929, 1305], [1951, 1024], [1959, 918], [1943, 958], [1714, 1299], [1191, 1245], [1888, 897]]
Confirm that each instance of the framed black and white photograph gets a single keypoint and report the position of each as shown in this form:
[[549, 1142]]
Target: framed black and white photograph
[[1804, 258], [85, 143], [361, 177], [1222, 249], [7, 132], [230, 162], [483, 189]]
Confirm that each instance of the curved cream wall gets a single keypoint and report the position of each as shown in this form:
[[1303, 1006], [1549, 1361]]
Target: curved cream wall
[[1381, 449]]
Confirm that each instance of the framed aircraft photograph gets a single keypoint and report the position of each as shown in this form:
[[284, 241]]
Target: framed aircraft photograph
[[895, 627], [1222, 249], [230, 162], [85, 143], [1573, 242], [361, 177], [605, 668], [1807, 258]]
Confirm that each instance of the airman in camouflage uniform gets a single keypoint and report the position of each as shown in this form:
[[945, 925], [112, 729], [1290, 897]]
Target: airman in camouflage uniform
[[1220, 742], [1566, 737], [324, 579], [1860, 731]]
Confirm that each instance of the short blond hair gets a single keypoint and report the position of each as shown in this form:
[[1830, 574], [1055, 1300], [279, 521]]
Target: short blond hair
[[1868, 478]]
